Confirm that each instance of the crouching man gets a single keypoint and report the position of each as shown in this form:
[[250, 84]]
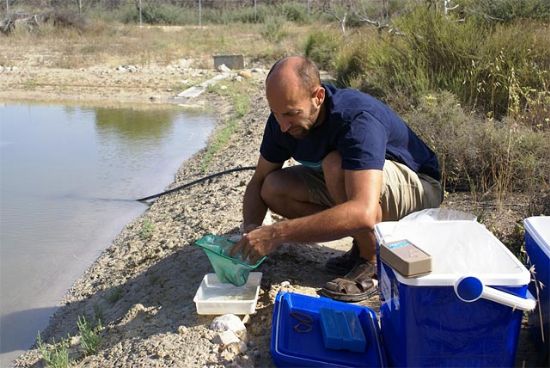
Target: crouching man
[[360, 165]]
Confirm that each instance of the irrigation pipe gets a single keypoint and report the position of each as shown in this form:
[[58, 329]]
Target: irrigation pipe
[[235, 169]]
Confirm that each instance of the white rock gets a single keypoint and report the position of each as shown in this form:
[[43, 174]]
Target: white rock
[[225, 338], [223, 87], [227, 322], [237, 348], [285, 284], [223, 69]]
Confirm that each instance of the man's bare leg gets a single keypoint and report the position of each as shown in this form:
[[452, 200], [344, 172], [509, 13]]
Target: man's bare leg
[[285, 193]]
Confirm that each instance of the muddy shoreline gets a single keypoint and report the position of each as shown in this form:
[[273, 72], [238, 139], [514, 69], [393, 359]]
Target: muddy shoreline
[[142, 285]]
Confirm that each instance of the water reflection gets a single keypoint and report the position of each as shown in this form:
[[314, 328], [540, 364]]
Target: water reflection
[[133, 124], [56, 162]]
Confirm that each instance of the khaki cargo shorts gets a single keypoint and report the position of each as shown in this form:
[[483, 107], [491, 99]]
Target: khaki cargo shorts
[[403, 190]]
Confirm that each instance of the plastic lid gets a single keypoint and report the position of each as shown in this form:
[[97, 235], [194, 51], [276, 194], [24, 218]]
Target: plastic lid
[[457, 248], [539, 228]]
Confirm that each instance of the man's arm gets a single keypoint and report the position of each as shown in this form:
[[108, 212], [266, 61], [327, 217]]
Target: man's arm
[[254, 208], [360, 212]]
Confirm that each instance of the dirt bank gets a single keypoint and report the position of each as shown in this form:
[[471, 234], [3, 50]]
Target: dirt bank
[[142, 286]]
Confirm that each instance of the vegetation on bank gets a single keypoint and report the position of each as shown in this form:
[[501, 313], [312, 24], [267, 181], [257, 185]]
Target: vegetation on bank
[[238, 94], [63, 353], [474, 85]]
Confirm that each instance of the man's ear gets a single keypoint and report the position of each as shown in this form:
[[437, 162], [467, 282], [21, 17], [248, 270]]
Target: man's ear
[[319, 96]]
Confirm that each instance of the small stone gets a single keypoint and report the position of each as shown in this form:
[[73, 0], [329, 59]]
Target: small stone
[[223, 69], [245, 74], [227, 355], [182, 330], [225, 338], [285, 284], [242, 335], [227, 322], [237, 348]]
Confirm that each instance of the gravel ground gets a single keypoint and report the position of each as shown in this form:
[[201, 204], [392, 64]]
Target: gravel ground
[[142, 286]]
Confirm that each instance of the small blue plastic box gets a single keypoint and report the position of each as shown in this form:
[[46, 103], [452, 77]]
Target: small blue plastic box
[[342, 330], [304, 347]]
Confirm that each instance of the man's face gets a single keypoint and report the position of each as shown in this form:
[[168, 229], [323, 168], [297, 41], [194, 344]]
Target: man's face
[[296, 112]]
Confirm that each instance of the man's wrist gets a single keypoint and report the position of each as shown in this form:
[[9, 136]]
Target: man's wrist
[[280, 233], [245, 228]]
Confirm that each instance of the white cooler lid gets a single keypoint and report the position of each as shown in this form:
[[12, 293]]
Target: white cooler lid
[[458, 248], [539, 228]]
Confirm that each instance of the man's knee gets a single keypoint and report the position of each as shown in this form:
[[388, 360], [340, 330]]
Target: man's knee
[[334, 177], [272, 187]]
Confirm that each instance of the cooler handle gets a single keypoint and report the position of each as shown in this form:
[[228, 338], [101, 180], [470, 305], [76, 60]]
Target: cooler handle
[[470, 288]]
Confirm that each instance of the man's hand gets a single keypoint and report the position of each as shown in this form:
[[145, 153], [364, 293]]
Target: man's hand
[[256, 244]]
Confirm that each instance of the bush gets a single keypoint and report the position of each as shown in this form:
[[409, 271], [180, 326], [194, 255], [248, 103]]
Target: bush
[[482, 155], [294, 12], [159, 14], [506, 10], [273, 29], [322, 47], [491, 68]]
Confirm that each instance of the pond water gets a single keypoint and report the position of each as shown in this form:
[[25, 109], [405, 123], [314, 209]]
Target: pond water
[[68, 177]]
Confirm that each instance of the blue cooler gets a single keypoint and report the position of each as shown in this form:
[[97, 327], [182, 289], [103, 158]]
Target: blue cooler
[[537, 245], [466, 312], [299, 336]]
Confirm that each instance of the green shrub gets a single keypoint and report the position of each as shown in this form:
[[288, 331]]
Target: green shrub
[[55, 355], [147, 230], [494, 69], [322, 48], [273, 30], [513, 62], [90, 339], [294, 12], [506, 10], [482, 155], [158, 14]]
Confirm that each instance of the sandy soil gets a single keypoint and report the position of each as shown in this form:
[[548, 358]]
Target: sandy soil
[[142, 286]]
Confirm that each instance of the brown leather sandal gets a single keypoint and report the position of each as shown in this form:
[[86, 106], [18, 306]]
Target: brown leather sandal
[[359, 284]]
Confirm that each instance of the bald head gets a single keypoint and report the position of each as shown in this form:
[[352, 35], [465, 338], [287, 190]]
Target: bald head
[[295, 95], [296, 72]]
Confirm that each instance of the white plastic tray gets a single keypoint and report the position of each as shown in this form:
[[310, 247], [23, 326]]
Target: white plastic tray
[[214, 297]]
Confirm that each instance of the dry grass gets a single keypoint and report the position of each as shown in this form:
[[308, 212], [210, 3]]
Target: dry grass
[[115, 44]]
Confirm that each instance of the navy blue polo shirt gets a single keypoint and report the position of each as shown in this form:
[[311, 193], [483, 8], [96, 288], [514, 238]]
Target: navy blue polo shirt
[[362, 129]]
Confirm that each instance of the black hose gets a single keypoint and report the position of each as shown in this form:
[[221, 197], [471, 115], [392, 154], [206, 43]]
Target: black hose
[[196, 182]]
